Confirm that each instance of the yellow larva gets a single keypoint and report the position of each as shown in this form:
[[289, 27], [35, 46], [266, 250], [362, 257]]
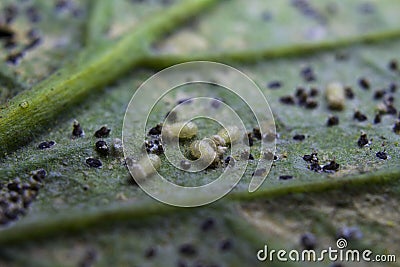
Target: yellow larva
[[145, 167], [230, 134], [182, 130], [204, 149], [335, 96]]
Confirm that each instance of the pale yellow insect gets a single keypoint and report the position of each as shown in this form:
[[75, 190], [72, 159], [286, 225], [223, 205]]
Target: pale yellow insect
[[182, 130], [145, 167], [335, 96], [230, 134], [204, 149]]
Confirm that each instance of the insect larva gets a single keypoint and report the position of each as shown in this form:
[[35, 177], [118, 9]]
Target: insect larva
[[230, 134], [182, 130], [335, 95], [204, 149], [145, 167]]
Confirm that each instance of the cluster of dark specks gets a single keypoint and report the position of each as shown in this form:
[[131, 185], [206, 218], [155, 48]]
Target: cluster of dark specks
[[153, 143], [382, 155], [364, 83], [8, 35], [314, 164], [274, 85], [16, 196], [299, 137], [308, 74], [302, 98]]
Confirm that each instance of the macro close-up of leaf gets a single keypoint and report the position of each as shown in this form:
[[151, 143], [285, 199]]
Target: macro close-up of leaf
[[328, 70]]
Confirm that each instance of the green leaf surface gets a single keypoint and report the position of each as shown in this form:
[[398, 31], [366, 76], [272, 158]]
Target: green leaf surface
[[107, 218]]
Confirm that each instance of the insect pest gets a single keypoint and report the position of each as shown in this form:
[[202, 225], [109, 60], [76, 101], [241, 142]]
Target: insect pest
[[335, 96], [182, 130], [230, 134], [145, 167], [204, 149]]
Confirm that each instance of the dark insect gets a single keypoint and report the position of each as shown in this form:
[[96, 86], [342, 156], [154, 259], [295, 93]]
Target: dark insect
[[229, 161], [308, 241], [396, 127], [39, 175], [332, 121], [308, 74], [377, 118], [359, 116], [249, 140], [379, 94], [275, 85], [94, 163], [208, 224], [285, 177], [311, 158], [288, 100], [363, 140], [225, 245], [188, 249], [382, 155], [6, 33], [46, 144], [332, 166], [150, 253], [77, 130], [311, 104], [393, 65], [364, 83], [154, 146], [102, 147], [156, 130], [314, 92], [299, 137], [348, 91], [257, 133], [102, 132], [251, 157], [314, 166]]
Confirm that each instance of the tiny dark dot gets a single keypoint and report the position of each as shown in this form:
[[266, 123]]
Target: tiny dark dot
[[285, 177], [207, 224], [308, 241], [396, 127], [274, 85], [46, 144], [311, 104], [288, 100], [363, 140], [393, 65], [299, 137], [251, 157], [102, 147], [156, 130], [332, 121], [188, 249], [379, 94], [349, 92], [103, 132], [382, 155], [94, 163], [359, 116], [229, 161], [364, 83], [314, 92], [257, 133], [377, 118], [150, 253], [226, 245], [393, 87], [332, 166]]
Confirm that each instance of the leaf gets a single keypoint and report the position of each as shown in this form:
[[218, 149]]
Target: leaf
[[100, 210]]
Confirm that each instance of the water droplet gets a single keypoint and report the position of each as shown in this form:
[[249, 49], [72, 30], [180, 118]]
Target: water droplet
[[24, 104]]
